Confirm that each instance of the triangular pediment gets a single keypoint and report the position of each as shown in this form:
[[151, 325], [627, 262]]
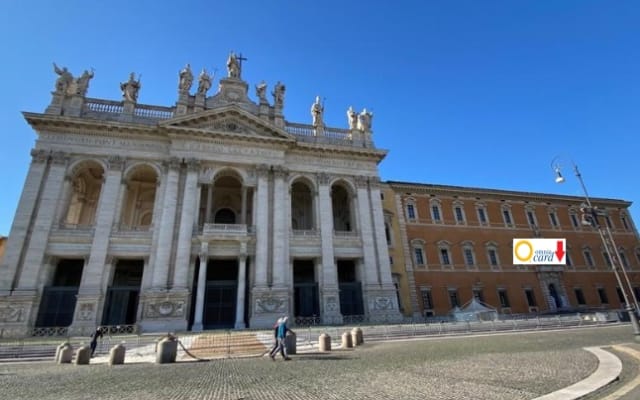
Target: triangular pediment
[[229, 120]]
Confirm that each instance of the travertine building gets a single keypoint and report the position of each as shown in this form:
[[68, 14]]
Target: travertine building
[[213, 212], [458, 242]]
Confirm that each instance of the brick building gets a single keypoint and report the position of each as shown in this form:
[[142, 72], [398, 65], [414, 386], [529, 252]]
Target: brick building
[[457, 243]]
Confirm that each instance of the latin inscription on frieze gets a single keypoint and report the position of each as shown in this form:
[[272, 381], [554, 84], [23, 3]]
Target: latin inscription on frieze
[[101, 142]]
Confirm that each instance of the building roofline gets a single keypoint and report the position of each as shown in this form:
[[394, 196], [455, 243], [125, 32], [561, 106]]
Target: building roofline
[[501, 192]]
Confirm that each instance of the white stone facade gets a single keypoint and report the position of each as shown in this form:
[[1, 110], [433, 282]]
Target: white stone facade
[[216, 212]]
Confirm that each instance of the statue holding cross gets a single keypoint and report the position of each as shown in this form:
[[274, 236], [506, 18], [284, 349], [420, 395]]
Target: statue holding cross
[[234, 65]]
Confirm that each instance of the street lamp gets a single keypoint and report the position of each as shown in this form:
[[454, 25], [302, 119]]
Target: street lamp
[[590, 217]]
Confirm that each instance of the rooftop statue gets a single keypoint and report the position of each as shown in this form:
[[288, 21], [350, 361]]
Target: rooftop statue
[[278, 95], [317, 110], [131, 88], [67, 85], [186, 79], [352, 118], [204, 82], [364, 120], [261, 92], [233, 66]]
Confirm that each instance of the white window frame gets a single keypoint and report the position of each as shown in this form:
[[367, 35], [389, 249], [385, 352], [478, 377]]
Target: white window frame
[[530, 211], [435, 205], [587, 254], [483, 207], [491, 246], [505, 210], [553, 217], [418, 244], [458, 205]]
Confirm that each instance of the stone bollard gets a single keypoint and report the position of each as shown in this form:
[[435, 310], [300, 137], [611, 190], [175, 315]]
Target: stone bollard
[[83, 355], [116, 355], [59, 350], [66, 354], [347, 341], [324, 342], [167, 351], [290, 343], [356, 336]]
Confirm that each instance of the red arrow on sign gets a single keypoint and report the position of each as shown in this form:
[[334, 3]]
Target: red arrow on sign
[[559, 250]]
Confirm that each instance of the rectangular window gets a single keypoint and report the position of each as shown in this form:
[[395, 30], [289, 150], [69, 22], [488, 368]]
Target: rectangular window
[[507, 217], [504, 299], [625, 224], [419, 256], [607, 259], [620, 295], [459, 214], [453, 298], [608, 220], [588, 258], [482, 216], [427, 300], [444, 256], [568, 259], [435, 212], [623, 260], [531, 218], [477, 294], [468, 257], [531, 298], [554, 219], [574, 220], [579, 296], [493, 257], [602, 294], [411, 212]]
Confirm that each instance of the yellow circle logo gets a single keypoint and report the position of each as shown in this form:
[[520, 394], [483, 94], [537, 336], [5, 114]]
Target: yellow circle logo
[[519, 255]]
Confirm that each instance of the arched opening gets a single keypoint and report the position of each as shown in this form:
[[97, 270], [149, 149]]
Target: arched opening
[[85, 193], [301, 207], [139, 198], [225, 216], [341, 205]]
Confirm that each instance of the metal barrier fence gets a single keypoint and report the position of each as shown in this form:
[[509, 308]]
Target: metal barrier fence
[[255, 343]]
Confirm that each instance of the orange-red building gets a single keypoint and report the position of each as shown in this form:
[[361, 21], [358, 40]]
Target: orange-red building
[[456, 243]]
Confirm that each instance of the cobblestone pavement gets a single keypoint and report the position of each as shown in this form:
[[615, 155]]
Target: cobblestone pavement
[[518, 366]]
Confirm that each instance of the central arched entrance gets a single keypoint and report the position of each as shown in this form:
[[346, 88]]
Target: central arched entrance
[[220, 294]]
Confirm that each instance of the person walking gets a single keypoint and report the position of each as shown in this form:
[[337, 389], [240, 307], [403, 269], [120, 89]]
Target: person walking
[[281, 334], [94, 340]]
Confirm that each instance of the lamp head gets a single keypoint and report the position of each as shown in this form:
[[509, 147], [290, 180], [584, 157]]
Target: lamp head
[[559, 177]]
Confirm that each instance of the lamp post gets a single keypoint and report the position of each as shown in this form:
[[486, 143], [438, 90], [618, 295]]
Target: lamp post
[[590, 218]]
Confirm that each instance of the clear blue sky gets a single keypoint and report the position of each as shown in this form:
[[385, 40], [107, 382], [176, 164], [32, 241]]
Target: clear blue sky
[[470, 93]]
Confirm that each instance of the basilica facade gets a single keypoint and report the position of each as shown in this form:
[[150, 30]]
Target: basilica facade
[[215, 212]]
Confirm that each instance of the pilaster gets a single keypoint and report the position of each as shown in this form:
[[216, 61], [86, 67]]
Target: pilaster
[[185, 234], [18, 235], [49, 197], [90, 293], [166, 226], [280, 229], [262, 226], [330, 295], [202, 282]]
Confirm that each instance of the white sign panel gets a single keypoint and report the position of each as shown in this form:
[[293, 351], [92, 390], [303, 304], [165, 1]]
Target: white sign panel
[[539, 251]]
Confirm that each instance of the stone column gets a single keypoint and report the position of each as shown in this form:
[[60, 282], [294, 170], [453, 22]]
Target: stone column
[[262, 226], [280, 229], [185, 234], [90, 292], [207, 216], [147, 277], [242, 276], [49, 197], [202, 284], [383, 303], [369, 267], [243, 213], [20, 228], [329, 290], [63, 204], [117, 217], [166, 226]]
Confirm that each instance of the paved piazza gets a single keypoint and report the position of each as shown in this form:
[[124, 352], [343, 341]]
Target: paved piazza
[[513, 366]]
